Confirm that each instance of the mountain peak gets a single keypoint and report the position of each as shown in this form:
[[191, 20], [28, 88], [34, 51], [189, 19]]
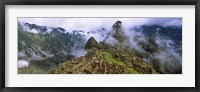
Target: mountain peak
[[117, 33], [91, 43], [117, 26]]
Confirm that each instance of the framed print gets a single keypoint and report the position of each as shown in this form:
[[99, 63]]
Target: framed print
[[100, 45]]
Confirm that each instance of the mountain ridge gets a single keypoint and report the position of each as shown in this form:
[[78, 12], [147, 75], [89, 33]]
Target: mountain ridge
[[131, 53]]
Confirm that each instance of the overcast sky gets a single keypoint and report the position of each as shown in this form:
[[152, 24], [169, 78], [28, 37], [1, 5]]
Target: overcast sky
[[89, 24]]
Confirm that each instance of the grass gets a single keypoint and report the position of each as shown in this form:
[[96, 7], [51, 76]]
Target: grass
[[31, 70], [132, 71], [154, 71], [110, 59]]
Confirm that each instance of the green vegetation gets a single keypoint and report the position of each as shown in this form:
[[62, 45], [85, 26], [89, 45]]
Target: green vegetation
[[54, 51], [110, 59], [45, 51], [38, 67], [132, 71], [154, 71], [91, 43]]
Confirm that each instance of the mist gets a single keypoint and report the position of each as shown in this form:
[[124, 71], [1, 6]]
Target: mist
[[90, 24], [22, 63], [99, 27], [94, 24], [79, 52]]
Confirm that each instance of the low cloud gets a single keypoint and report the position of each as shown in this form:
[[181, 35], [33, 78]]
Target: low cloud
[[22, 63], [79, 52], [91, 24], [99, 27]]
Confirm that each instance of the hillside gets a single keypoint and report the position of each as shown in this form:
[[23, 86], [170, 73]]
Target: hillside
[[43, 48], [145, 49], [105, 61], [103, 58]]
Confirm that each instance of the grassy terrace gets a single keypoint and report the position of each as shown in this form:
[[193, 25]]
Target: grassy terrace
[[110, 58]]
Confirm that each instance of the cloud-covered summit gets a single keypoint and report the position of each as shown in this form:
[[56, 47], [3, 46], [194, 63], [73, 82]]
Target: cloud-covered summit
[[90, 24]]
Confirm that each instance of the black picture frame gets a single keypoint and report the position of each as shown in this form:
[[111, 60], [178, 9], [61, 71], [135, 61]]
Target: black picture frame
[[99, 2]]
